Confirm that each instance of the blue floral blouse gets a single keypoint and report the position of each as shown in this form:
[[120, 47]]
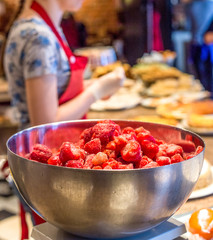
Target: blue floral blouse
[[32, 50]]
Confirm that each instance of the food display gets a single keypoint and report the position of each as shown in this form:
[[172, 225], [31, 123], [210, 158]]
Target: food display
[[160, 84], [102, 70], [118, 101], [170, 86], [156, 119], [192, 95], [200, 121], [126, 97], [106, 146], [150, 73], [165, 56], [153, 102], [206, 177], [200, 225], [168, 55], [180, 110]]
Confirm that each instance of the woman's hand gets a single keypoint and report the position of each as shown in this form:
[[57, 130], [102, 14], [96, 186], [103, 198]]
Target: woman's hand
[[108, 84]]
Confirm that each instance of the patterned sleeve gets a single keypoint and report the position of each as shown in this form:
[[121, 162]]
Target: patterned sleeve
[[39, 55]]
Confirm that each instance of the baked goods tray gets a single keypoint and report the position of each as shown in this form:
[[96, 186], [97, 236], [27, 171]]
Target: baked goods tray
[[198, 130]]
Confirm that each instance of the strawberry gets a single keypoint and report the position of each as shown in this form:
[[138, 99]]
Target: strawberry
[[40, 153]]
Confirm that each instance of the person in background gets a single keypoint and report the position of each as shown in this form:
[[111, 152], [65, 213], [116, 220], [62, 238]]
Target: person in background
[[45, 78], [199, 15]]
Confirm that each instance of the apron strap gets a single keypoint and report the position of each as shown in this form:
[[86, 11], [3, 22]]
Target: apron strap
[[77, 63], [40, 10]]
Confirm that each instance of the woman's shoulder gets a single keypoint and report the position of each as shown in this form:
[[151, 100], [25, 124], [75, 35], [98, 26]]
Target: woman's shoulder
[[33, 33], [30, 28]]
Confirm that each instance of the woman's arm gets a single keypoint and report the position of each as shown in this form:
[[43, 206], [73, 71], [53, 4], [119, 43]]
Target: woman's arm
[[42, 97], [43, 105]]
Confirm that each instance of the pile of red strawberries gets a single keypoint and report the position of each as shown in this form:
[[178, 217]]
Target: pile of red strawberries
[[106, 146]]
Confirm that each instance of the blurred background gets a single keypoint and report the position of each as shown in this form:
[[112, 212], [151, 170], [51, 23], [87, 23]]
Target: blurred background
[[166, 49]]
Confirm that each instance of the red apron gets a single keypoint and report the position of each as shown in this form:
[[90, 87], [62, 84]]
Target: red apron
[[77, 63]]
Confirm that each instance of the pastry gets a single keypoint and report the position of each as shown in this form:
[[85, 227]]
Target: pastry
[[155, 119], [200, 121], [183, 110]]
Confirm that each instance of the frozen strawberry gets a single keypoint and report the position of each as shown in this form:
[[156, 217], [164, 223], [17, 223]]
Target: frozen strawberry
[[141, 136], [126, 166], [104, 131], [54, 160], [188, 156], [173, 149], [69, 151], [152, 165], [132, 152], [162, 150], [120, 142], [40, 153], [163, 147], [117, 127], [112, 163], [80, 143], [110, 153], [107, 167], [75, 163], [86, 135], [140, 130], [93, 146], [176, 158], [150, 149], [129, 136], [99, 159], [159, 142], [161, 153], [163, 160], [88, 161], [111, 145], [199, 149], [129, 130], [144, 161], [82, 154], [97, 168], [120, 160]]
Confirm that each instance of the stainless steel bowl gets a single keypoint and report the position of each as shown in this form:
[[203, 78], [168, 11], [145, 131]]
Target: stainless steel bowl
[[102, 203]]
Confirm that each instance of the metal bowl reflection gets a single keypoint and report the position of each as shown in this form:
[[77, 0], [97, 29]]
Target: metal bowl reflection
[[97, 203]]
